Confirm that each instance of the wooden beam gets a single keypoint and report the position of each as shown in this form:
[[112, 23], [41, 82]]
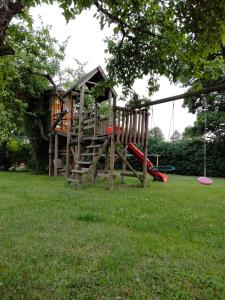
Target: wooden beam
[[112, 148], [205, 91], [56, 155], [110, 109], [50, 151], [68, 141], [123, 124], [94, 173], [139, 127], [123, 166], [59, 118], [129, 166], [145, 150], [80, 131], [91, 82], [118, 125]]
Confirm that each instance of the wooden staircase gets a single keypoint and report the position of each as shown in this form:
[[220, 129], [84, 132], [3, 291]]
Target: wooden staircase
[[87, 163]]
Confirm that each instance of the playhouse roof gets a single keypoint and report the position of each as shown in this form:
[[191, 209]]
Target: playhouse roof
[[90, 79]]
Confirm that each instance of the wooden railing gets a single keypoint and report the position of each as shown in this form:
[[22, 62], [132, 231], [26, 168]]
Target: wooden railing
[[130, 125], [103, 124]]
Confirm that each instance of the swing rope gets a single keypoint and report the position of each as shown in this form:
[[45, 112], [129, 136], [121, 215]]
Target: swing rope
[[158, 167], [205, 180], [172, 122]]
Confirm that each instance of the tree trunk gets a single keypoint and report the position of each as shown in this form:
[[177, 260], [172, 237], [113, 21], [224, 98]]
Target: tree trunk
[[8, 10]]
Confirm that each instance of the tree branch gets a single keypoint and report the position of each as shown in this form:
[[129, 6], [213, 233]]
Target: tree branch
[[49, 78], [116, 19]]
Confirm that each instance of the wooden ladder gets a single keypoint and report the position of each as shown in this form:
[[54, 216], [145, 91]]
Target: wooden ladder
[[89, 159]]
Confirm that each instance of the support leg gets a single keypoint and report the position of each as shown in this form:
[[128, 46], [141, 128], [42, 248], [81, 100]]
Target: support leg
[[123, 168], [50, 163], [56, 155], [111, 165]]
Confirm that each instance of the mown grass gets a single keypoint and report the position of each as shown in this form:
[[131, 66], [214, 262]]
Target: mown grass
[[164, 242]]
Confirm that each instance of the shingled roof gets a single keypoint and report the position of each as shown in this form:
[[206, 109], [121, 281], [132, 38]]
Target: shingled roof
[[90, 79]]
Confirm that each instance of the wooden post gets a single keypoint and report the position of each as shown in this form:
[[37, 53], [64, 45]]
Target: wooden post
[[69, 121], [131, 127], [51, 135], [118, 126], [143, 123], [112, 150], [56, 155], [123, 167], [80, 131], [145, 150], [50, 151], [110, 109], [126, 128], [94, 174], [139, 127], [123, 123], [135, 127], [106, 167]]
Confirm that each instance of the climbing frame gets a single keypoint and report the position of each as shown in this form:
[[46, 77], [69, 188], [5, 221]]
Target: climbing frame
[[83, 142]]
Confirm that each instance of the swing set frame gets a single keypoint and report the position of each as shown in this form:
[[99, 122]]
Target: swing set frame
[[217, 88]]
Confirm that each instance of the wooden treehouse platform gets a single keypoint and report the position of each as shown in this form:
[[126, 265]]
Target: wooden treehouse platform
[[86, 131]]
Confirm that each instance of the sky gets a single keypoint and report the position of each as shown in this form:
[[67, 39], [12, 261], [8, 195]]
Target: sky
[[86, 43]]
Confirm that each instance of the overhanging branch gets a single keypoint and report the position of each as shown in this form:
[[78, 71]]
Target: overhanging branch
[[50, 79]]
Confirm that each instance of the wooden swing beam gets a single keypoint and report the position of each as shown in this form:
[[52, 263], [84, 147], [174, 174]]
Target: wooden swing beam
[[205, 91]]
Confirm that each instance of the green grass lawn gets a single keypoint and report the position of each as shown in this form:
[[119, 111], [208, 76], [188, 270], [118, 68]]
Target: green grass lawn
[[164, 242]]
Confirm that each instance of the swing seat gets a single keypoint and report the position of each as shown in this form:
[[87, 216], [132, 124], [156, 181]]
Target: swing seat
[[205, 180]]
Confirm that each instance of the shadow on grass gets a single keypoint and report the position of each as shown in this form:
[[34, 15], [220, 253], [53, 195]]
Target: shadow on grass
[[90, 217]]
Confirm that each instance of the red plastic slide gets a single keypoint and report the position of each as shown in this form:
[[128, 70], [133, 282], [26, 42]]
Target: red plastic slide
[[140, 156]]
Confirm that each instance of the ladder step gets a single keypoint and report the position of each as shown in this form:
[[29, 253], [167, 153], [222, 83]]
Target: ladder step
[[103, 135], [89, 154], [72, 142], [100, 138], [87, 138], [80, 171], [94, 146], [84, 162]]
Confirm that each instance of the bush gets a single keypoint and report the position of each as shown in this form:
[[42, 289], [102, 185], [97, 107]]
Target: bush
[[13, 153]]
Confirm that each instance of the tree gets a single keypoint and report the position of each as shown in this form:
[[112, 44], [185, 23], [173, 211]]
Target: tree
[[214, 105], [144, 43], [144, 31], [176, 136], [11, 9], [23, 82], [8, 9], [156, 134]]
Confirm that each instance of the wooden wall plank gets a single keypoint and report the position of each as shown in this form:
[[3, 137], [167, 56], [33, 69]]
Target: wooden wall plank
[[139, 127], [135, 127], [143, 128], [123, 125], [145, 150], [118, 125], [131, 127], [127, 127]]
